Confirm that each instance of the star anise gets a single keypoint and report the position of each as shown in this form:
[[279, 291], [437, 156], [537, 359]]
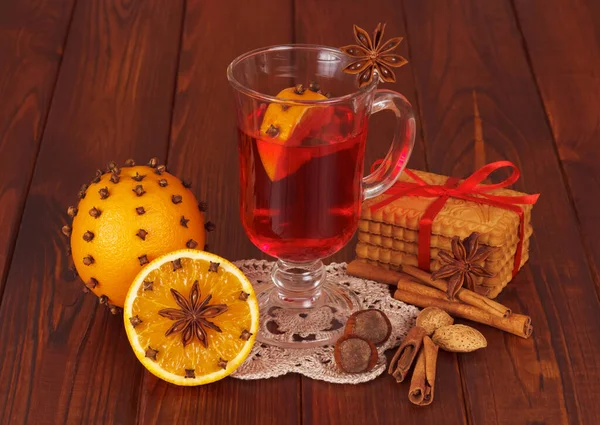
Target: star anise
[[463, 265], [191, 317], [373, 56]]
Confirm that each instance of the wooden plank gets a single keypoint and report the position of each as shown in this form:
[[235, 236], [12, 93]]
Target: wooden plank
[[563, 42], [66, 360], [552, 378], [32, 35], [381, 401], [204, 148]]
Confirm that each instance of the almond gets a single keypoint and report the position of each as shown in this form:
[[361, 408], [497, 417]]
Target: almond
[[459, 338], [432, 318]]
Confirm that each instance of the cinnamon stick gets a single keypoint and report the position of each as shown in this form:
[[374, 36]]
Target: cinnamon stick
[[422, 384], [379, 274], [406, 353], [406, 283], [367, 271], [516, 324], [465, 295]]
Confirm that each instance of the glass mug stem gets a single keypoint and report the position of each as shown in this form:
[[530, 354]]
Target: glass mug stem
[[299, 285]]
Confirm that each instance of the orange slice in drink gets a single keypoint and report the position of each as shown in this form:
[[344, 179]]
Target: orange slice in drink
[[285, 126], [191, 317]]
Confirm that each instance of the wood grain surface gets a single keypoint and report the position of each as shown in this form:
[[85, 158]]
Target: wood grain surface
[[32, 35], [86, 81], [563, 45]]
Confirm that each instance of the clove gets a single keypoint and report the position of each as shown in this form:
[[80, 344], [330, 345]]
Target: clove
[[151, 353], [135, 320], [72, 211], [91, 283], [67, 230], [191, 244], [142, 234], [104, 193], [95, 212], [138, 177], [112, 167], [82, 191], [176, 264], [272, 131], [139, 190], [184, 221], [88, 236], [98, 176], [176, 199]]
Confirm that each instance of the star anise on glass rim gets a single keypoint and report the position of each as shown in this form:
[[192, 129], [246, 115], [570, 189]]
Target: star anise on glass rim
[[462, 266], [191, 317], [373, 56]]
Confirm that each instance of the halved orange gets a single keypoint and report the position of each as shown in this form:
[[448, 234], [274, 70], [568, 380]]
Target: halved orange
[[191, 317], [286, 126]]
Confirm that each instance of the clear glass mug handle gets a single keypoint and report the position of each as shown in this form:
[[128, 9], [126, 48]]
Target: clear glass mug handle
[[394, 162]]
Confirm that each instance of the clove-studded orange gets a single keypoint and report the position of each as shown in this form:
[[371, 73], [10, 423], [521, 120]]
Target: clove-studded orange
[[126, 218], [191, 317]]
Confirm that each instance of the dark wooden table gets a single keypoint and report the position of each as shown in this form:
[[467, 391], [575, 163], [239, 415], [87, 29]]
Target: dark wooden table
[[83, 82]]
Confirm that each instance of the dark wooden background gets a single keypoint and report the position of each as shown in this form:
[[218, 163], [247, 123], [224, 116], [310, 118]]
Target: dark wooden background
[[86, 81]]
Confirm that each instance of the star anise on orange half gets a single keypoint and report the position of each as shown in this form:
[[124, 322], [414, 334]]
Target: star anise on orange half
[[191, 319], [373, 56], [463, 265]]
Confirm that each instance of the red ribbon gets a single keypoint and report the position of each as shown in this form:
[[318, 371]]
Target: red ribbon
[[469, 189]]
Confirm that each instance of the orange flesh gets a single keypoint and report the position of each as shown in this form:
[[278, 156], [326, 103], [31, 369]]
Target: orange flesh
[[173, 356]]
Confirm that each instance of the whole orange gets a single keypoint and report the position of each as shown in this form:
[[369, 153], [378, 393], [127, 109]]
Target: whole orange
[[126, 218]]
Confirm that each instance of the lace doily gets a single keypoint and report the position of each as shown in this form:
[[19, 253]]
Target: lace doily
[[266, 361]]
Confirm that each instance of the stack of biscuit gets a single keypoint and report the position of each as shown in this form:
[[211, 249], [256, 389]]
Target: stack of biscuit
[[389, 236]]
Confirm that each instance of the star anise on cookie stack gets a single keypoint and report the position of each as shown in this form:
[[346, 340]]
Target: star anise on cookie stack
[[463, 264]]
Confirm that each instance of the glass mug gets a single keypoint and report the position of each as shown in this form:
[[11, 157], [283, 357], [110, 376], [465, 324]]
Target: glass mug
[[301, 173]]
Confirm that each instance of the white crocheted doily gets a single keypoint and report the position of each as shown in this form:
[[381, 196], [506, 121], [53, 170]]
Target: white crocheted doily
[[266, 361]]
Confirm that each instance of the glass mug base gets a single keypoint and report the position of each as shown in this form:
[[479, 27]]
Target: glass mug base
[[300, 309]]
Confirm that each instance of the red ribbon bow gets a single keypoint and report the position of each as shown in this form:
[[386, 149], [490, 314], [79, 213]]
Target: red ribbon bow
[[469, 189]]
